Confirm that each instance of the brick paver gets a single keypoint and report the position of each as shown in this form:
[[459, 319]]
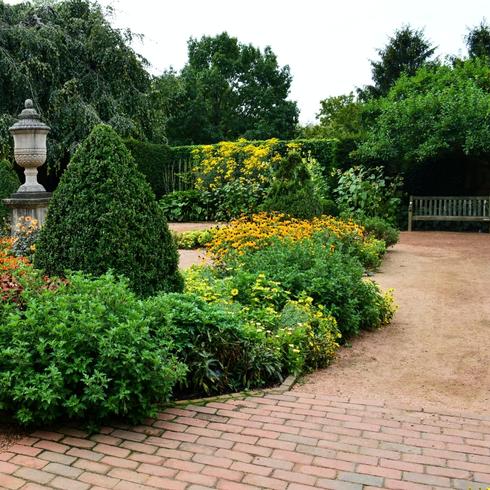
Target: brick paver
[[274, 441]]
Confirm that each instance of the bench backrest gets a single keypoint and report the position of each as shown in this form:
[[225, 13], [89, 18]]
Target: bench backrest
[[460, 206]]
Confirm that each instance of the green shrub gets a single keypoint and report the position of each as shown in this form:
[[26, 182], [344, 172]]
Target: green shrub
[[188, 205], [381, 230], [363, 192], [189, 240], [221, 352], [331, 277], [308, 336], [369, 254], [9, 183], [83, 351], [103, 215], [293, 190], [377, 307], [303, 335]]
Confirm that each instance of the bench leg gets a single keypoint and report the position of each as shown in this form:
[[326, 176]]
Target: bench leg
[[410, 213]]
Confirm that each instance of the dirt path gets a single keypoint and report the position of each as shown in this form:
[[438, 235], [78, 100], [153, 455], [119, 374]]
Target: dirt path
[[196, 226], [436, 353]]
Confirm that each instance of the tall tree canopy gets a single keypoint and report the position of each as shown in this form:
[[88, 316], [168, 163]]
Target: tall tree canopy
[[407, 50], [228, 89], [78, 69], [439, 112], [478, 41]]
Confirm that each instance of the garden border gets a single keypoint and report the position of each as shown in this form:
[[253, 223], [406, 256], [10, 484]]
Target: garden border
[[284, 387]]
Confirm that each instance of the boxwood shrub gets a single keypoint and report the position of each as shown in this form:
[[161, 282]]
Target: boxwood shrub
[[103, 215]]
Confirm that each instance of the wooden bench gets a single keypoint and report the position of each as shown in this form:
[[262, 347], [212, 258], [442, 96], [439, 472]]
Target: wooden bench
[[458, 208]]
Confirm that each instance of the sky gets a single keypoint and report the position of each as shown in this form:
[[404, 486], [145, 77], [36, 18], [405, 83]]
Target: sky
[[327, 44]]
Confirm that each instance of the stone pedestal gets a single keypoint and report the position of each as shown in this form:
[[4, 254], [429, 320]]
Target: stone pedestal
[[33, 204]]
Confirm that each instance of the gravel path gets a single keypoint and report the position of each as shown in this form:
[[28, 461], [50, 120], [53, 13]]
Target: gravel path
[[436, 353]]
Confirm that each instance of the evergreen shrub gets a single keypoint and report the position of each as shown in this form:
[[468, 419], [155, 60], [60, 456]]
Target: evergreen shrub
[[103, 216], [292, 191]]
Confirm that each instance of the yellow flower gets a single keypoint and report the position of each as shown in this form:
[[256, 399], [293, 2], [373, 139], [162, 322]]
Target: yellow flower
[[234, 292]]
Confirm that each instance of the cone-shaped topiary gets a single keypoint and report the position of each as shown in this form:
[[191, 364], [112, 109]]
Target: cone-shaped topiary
[[292, 191], [103, 215], [9, 183]]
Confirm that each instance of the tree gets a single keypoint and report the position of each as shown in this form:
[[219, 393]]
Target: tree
[[230, 90], [78, 69], [407, 50], [103, 215], [340, 116], [439, 112], [478, 41]]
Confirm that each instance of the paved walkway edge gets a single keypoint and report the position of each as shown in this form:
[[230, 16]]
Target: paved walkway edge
[[284, 387]]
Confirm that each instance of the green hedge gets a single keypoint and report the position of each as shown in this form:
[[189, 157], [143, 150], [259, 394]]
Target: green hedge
[[165, 170], [169, 169], [323, 150]]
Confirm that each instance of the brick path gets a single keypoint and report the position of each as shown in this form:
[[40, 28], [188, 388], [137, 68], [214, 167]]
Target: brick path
[[276, 441]]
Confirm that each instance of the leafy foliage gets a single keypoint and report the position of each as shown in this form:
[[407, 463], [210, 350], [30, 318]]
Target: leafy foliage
[[153, 161], [365, 192], [293, 191], [301, 335], [189, 205], [9, 183], [381, 229], [193, 239], [103, 215], [330, 276], [221, 353], [438, 112], [228, 90], [84, 351], [67, 58], [339, 117]]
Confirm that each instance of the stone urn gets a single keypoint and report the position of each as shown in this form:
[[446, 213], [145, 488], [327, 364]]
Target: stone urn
[[31, 199], [30, 152]]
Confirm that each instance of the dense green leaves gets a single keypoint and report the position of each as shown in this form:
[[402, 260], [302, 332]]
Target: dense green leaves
[[156, 163], [229, 90], [331, 276], [103, 215], [369, 193], [339, 117], [292, 191], [439, 111], [9, 183], [221, 353], [83, 351], [79, 71]]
